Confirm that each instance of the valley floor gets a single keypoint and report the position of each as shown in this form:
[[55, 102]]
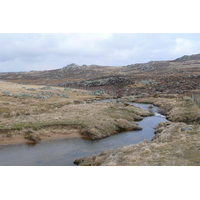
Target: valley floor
[[31, 114]]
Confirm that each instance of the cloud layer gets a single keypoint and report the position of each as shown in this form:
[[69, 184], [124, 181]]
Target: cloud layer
[[25, 52]]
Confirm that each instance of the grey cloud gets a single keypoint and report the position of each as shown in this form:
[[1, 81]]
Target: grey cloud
[[49, 51]]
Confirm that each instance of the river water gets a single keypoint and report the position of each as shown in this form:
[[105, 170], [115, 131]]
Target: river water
[[64, 152]]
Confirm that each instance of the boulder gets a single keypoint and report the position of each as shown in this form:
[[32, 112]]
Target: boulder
[[186, 128]]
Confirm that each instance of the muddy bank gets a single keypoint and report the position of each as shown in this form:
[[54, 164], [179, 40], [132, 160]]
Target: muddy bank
[[29, 136], [175, 144]]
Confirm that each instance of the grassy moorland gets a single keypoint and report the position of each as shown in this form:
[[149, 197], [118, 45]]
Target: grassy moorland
[[32, 113], [179, 76]]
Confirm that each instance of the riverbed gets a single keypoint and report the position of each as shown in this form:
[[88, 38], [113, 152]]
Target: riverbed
[[64, 151]]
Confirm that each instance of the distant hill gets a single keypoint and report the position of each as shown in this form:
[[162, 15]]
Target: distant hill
[[181, 75], [187, 58]]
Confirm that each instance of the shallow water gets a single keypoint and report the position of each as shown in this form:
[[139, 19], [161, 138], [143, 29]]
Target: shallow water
[[64, 152]]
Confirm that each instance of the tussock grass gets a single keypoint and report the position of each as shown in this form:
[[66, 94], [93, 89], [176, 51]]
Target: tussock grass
[[13, 106], [94, 120], [170, 147], [176, 143], [178, 109]]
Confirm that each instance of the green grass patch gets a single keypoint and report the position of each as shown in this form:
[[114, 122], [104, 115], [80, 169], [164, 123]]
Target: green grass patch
[[37, 126]]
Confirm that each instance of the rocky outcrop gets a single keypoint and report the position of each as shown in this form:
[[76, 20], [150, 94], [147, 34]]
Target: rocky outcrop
[[187, 58], [175, 76], [98, 82]]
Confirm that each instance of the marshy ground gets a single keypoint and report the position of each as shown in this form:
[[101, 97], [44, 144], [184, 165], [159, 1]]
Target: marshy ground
[[27, 115]]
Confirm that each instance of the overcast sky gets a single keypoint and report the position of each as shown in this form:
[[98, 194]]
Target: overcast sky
[[26, 52]]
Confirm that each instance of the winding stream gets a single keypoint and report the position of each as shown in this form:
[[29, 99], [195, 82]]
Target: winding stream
[[64, 152]]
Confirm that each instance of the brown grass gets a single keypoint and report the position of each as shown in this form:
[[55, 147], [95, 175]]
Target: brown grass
[[179, 109], [94, 120], [175, 143], [171, 147]]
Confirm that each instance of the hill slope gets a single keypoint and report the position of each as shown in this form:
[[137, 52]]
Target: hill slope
[[181, 75]]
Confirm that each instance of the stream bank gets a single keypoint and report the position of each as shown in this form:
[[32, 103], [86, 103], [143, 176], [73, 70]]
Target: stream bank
[[94, 121], [175, 144], [64, 152]]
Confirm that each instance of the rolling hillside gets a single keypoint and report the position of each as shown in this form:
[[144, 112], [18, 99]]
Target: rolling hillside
[[181, 76]]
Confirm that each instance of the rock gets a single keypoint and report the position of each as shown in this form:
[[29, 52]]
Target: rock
[[186, 128], [148, 82], [46, 97], [64, 95], [131, 98], [38, 96], [85, 93], [68, 89], [6, 93], [31, 89], [98, 92], [48, 88]]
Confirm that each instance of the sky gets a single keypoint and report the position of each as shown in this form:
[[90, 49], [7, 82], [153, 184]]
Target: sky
[[45, 51]]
